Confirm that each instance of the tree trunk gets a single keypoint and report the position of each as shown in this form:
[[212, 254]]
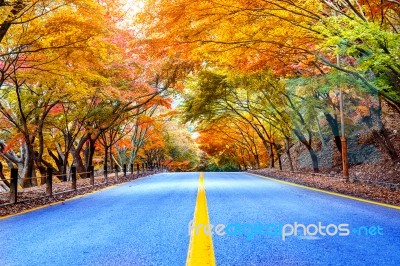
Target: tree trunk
[[288, 146], [384, 141], [111, 160], [244, 163], [2, 177], [91, 150], [272, 156], [7, 22], [59, 159], [86, 154], [257, 158], [76, 154], [267, 148], [27, 180], [278, 154], [307, 144], [333, 124], [290, 160], [105, 155], [78, 162], [280, 161], [314, 159], [65, 165]]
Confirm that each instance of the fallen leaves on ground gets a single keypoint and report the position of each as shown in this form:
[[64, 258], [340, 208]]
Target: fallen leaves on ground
[[35, 197], [334, 184]]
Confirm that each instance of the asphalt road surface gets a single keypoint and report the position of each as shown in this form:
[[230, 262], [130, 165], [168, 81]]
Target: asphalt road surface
[[253, 221]]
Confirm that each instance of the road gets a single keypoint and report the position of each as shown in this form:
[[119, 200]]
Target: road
[[146, 222]]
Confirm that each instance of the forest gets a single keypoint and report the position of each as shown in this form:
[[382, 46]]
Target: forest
[[270, 75], [198, 85]]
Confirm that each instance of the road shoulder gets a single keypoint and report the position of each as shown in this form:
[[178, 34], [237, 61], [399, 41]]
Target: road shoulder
[[33, 204], [355, 191]]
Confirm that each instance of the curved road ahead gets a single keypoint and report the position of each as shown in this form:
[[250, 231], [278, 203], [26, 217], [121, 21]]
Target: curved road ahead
[[254, 221]]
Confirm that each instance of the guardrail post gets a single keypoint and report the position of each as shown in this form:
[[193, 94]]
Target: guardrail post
[[73, 177], [14, 186], [49, 182], [91, 170], [124, 169]]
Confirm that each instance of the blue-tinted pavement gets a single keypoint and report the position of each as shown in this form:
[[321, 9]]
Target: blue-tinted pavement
[[145, 222]]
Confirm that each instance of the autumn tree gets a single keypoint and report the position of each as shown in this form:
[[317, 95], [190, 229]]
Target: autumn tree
[[69, 73], [297, 38], [232, 138]]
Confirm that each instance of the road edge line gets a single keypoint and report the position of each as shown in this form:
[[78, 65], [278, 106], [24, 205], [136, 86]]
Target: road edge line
[[329, 192]]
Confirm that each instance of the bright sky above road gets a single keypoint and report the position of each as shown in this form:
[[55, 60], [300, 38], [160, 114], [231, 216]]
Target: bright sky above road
[[133, 6]]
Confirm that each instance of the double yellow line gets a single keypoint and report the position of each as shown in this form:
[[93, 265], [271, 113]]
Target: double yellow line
[[201, 250]]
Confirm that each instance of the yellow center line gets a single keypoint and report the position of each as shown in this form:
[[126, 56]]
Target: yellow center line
[[201, 250]]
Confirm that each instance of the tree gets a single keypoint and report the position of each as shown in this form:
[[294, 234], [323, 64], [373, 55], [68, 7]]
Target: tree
[[297, 38], [69, 72]]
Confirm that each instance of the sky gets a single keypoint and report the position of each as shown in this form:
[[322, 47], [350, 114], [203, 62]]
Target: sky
[[133, 6]]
